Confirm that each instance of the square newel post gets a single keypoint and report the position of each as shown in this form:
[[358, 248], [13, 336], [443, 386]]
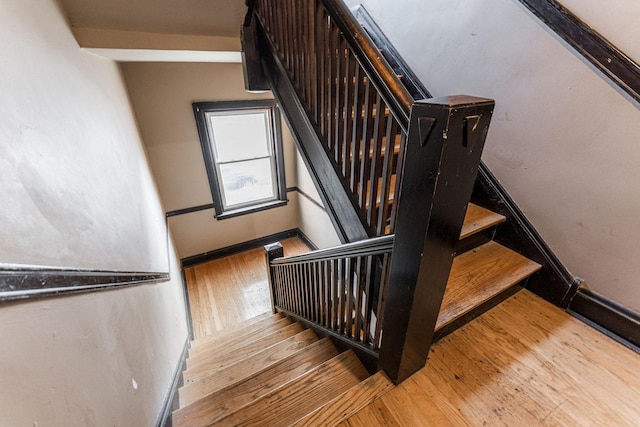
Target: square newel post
[[271, 252], [444, 144]]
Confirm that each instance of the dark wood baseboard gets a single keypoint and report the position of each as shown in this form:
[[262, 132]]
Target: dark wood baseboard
[[170, 402], [245, 246], [36, 282], [553, 282], [616, 321]]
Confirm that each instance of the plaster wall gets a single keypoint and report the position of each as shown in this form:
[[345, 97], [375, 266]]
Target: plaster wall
[[77, 192], [563, 140], [162, 94]]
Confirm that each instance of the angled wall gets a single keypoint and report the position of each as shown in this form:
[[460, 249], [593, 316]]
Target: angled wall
[[77, 193], [563, 141]]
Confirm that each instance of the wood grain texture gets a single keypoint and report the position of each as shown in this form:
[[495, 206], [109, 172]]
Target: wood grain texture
[[480, 274], [236, 330], [349, 402], [211, 351], [220, 404], [524, 362], [253, 364], [478, 219], [207, 351], [226, 359], [287, 404], [231, 290]]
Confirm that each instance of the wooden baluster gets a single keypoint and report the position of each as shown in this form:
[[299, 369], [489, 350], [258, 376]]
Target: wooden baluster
[[376, 163], [396, 191], [349, 119], [445, 141], [272, 252], [387, 171], [367, 134], [335, 296], [359, 92]]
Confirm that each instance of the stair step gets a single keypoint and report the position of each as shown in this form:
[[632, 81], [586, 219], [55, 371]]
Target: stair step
[[257, 362], [206, 352], [224, 402], [287, 404], [240, 329], [349, 402], [222, 361], [479, 219], [479, 275]]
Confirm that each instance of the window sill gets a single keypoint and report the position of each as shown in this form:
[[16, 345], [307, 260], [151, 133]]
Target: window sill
[[252, 209]]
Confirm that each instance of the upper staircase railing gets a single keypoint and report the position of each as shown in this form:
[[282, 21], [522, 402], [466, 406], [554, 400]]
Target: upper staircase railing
[[383, 164]]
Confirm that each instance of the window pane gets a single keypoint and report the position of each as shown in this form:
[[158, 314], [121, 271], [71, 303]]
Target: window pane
[[239, 136], [247, 181]]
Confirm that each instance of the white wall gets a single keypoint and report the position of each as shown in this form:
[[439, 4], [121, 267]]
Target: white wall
[[76, 192], [314, 221], [563, 141], [162, 94]]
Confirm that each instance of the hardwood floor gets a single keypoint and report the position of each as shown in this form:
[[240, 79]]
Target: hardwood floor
[[523, 363], [229, 290]]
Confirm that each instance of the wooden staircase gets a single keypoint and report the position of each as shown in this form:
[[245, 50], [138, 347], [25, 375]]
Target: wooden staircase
[[270, 371]]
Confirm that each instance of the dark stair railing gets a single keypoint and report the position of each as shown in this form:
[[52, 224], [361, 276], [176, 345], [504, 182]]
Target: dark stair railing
[[383, 163]]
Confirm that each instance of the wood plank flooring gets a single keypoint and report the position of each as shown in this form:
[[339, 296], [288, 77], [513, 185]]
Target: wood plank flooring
[[230, 290], [523, 363]]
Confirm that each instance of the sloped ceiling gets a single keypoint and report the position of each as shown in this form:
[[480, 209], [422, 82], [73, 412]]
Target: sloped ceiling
[[198, 17]]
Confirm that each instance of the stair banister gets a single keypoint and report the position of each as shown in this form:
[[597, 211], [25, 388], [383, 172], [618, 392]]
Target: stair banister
[[440, 147]]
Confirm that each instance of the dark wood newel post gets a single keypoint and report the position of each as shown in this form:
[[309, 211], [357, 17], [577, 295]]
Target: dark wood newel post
[[271, 252], [445, 141]]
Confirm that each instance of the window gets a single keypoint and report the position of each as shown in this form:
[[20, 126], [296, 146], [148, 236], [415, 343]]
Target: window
[[242, 146]]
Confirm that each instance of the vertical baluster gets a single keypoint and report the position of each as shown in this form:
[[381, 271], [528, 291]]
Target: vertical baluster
[[323, 38], [349, 118], [387, 170], [367, 134], [298, 290], [396, 191], [335, 294], [341, 47], [386, 263], [349, 282], [330, 65], [312, 71], [360, 90], [327, 293], [341, 295], [376, 162], [358, 285], [367, 291], [316, 294], [319, 293]]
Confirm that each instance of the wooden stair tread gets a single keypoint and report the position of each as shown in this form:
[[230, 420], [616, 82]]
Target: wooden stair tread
[[237, 330], [227, 359], [478, 219], [224, 402], [287, 404], [349, 402], [480, 274], [210, 351], [253, 364]]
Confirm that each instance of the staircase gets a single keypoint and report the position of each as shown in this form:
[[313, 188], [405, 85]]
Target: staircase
[[270, 371]]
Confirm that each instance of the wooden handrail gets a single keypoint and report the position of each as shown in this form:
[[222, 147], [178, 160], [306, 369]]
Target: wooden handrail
[[407, 169], [378, 69], [373, 246]]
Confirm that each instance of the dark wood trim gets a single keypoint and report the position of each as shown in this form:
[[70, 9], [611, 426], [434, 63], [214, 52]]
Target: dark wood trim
[[190, 210], [553, 282], [339, 203], [308, 197], [200, 109], [610, 60], [241, 247], [307, 241], [613, 319], [170, 402], [36, 282], [399, 66], [368, 357]]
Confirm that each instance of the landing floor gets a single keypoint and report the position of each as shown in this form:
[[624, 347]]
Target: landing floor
[[523, 363]]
